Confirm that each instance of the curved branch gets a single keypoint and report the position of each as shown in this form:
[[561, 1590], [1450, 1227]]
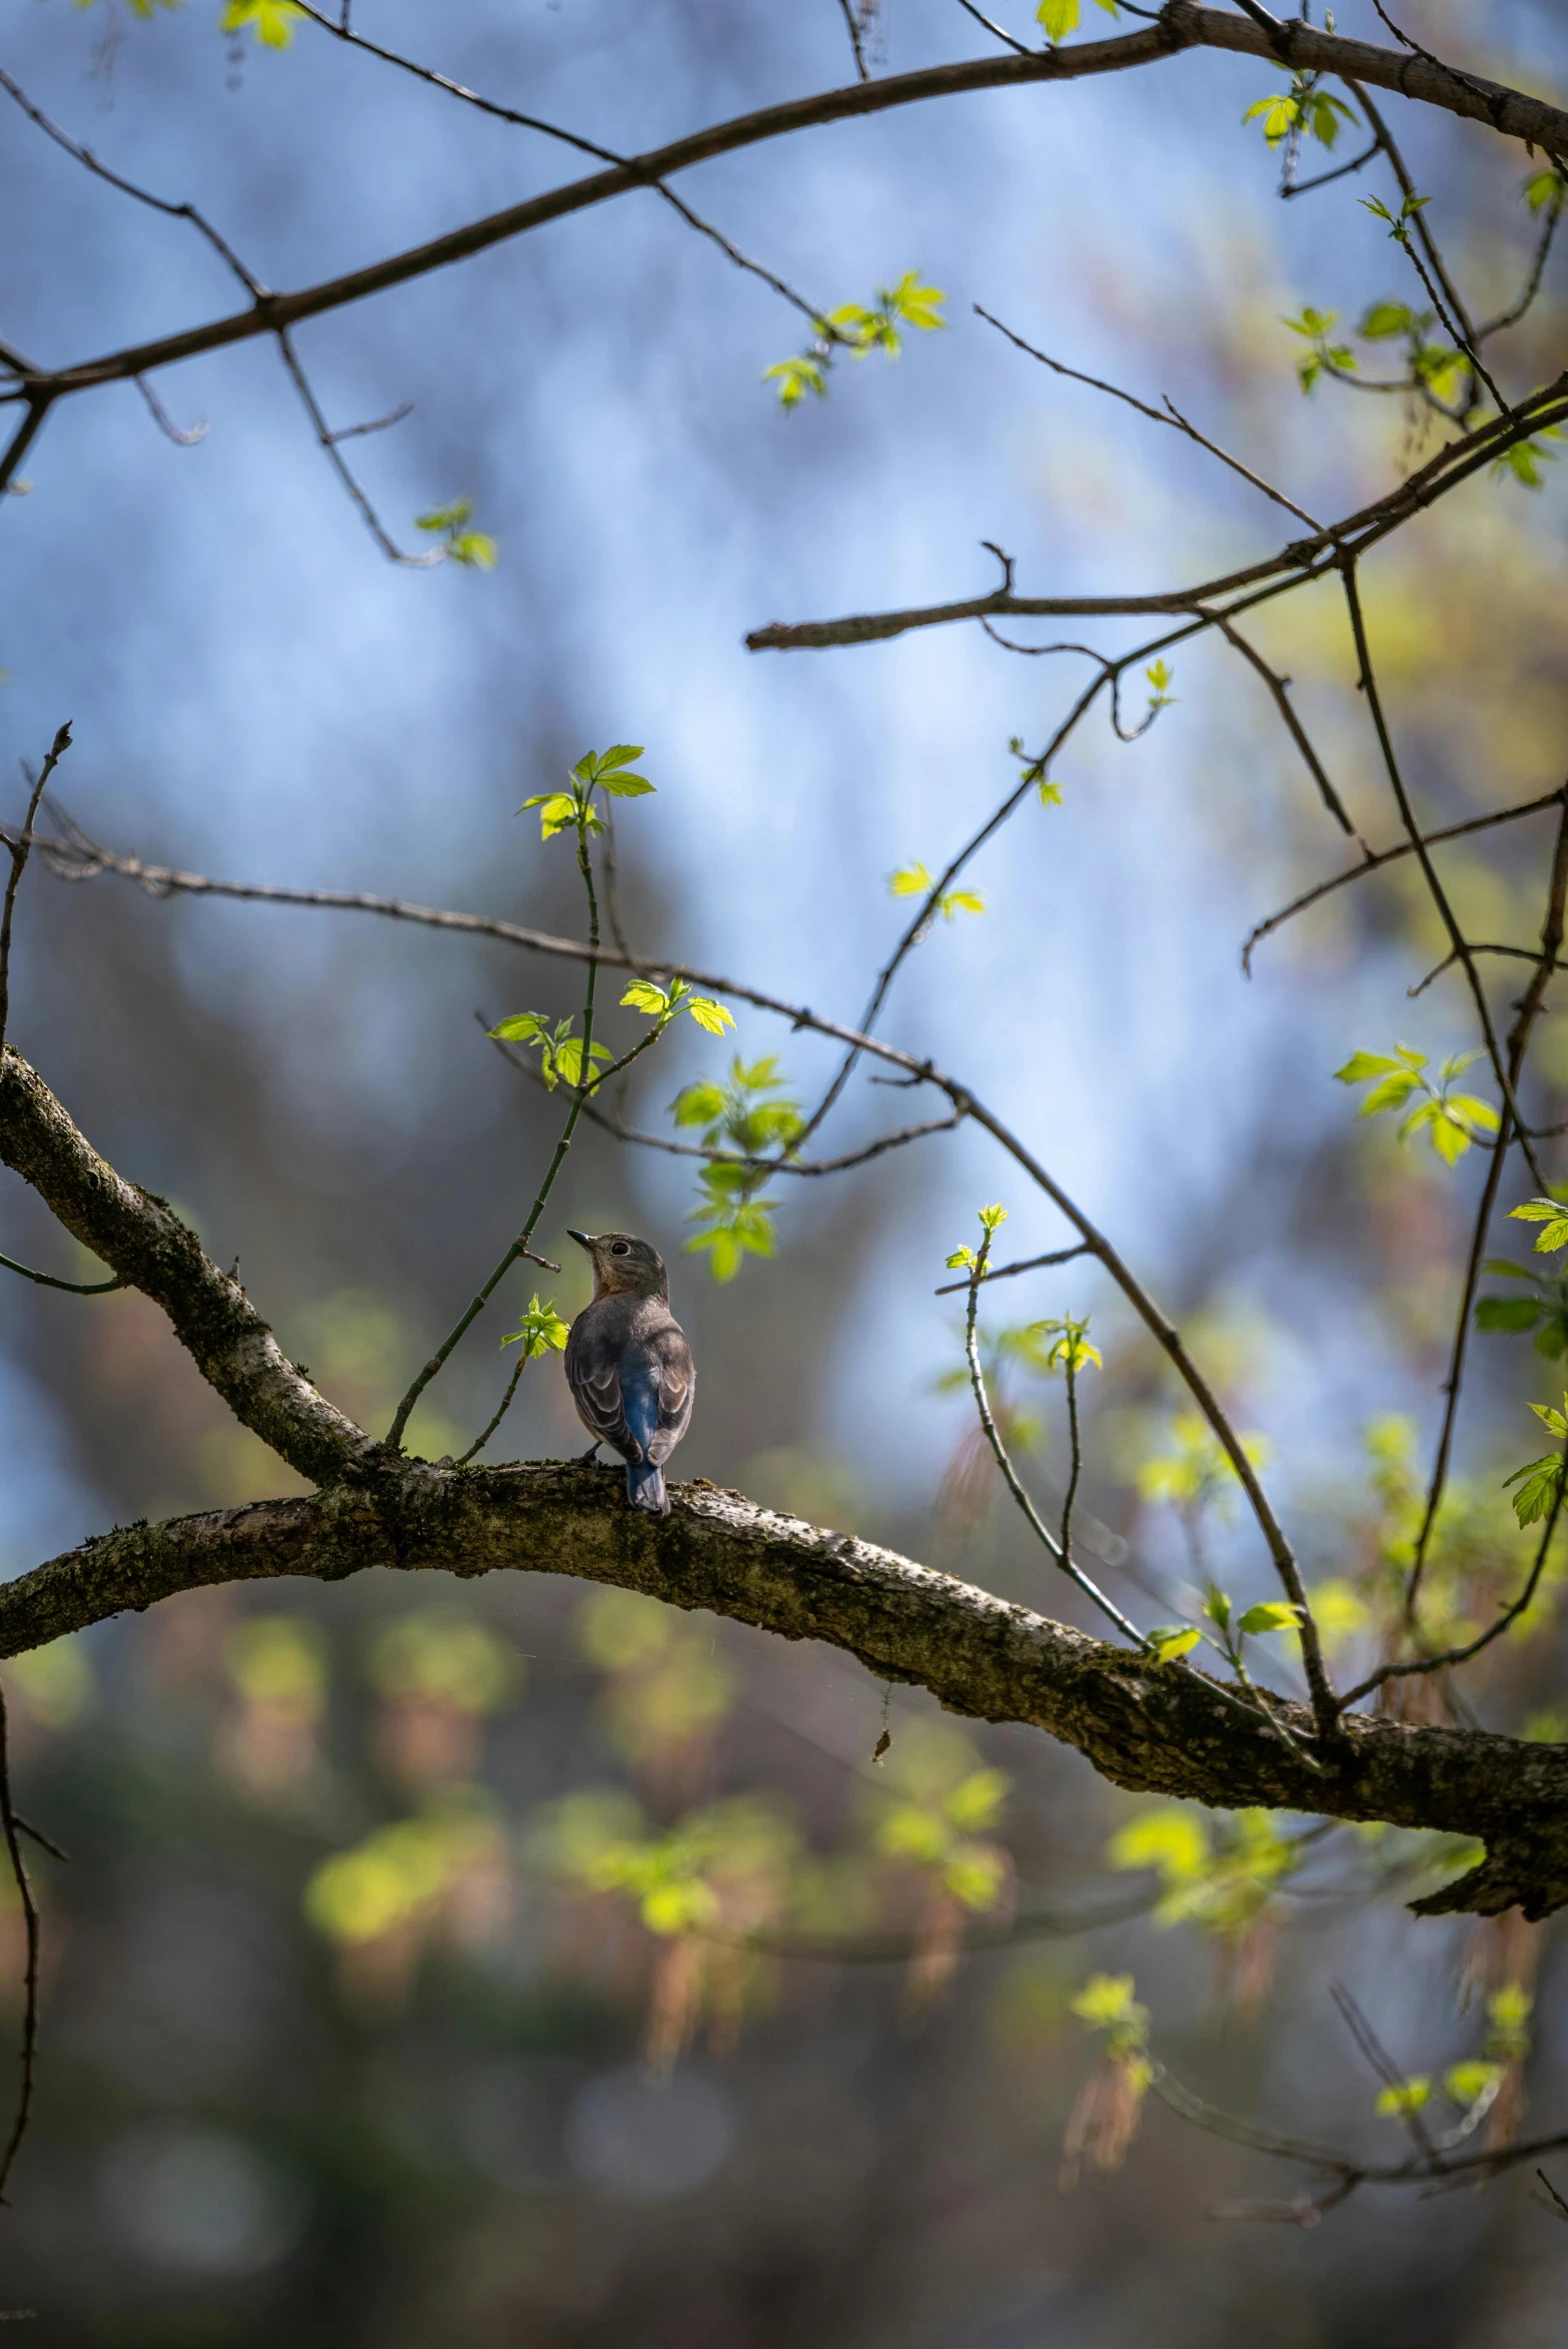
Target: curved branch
[[1182, 25], [1151, 1727], [140, 1237]]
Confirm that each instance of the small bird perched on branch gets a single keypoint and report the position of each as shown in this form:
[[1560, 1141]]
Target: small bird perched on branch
[[628, 1364]]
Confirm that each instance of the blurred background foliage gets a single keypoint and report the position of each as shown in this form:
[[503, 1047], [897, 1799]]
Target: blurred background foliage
[[505, 1963]]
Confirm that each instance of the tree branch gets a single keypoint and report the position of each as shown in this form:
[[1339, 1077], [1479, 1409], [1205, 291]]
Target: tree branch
[[1149, 1727]]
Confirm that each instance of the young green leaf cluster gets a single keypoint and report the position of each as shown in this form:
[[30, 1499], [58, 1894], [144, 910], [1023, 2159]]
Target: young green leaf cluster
[[1540, 1481], [1451, 1121], [746, 1118], [915, 881], [855, 329], [541, 1330], [476, 550], [1306, 108], [572, 810], [663, 1004]]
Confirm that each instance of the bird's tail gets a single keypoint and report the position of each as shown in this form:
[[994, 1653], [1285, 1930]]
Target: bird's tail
[[645, 1487]]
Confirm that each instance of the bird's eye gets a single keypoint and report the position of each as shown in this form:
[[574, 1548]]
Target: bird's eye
[[620, 1249]]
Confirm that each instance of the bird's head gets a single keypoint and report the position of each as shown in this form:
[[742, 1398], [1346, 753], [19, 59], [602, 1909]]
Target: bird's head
[[623, 1266]]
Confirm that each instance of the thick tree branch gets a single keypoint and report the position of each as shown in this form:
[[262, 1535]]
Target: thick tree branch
[[140, 1237], [1150, 1727], [1182, 25]]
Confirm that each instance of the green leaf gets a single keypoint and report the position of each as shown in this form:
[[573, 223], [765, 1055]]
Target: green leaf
[[1393, 1092], [1050, 793], [1057, 18], [1543, 188], [1402, 2097], [1217, 1607], [909, 881], [1555, 1220], [1362, 1065], [621, 786], [1506, 1269], [960, 901], [442, 517], [620, 754], [993, 1218], [272, 21], [541, 1331], [960, 1260], [796, 377], [523, 1027], [474, 548], [1269, 1615], [643, 995], [701, 1104], [710, 1015], [919, 305], [1538, 1483], [1507, 1313], [1170, 1640], [1449, 1138], [1554, 1422], [1467, 2083], [1384, 320]]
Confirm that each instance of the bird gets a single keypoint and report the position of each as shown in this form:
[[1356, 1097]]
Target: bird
[[628, 1364]]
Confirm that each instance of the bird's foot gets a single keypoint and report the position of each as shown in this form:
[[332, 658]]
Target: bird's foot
[[590, 1458]]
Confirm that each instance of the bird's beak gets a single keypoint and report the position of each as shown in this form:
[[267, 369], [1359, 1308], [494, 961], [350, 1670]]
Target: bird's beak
[[582, 1239]]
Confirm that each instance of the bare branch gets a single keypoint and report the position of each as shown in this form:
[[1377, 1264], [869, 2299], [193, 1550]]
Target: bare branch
[[1372, 863], [1170, 416], [20, 848]]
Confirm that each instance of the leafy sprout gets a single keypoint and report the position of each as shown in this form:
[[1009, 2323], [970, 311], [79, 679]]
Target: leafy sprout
[[474, 549], [541, 1330], [1303, 108], [1451, 1121], [915, 881], [1540, 1481], [573, 809], [856, 329], [560, 1052], [1325, 357], [664, 1004], [749, 1121]]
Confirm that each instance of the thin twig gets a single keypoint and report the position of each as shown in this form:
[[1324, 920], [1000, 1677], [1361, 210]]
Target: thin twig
[[1091, 1590], [1439, 894], [86, 157], [852, 24], [9, 1824], [165, 422], [1279, 687], [47, 1280], [1169, 416], [19, 850], [1006, 1271], [329, 440], [1508, 1615], [1387, 856]]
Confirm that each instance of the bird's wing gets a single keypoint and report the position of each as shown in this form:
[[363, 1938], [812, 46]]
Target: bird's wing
[[593, 1372], [677, 1390]]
